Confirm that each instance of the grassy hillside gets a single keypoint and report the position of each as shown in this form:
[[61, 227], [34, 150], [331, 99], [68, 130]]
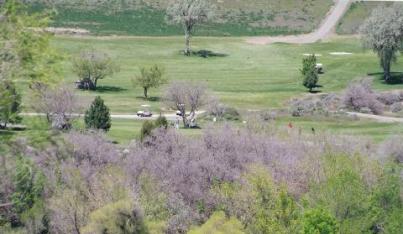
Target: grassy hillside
[[357, 14], [234, 17], [249, 77]]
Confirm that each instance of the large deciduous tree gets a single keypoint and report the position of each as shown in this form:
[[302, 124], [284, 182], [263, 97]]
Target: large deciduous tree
[[189, 13], [92, 66], [149, 78], [28, 44], [186, 96], [383, 32]]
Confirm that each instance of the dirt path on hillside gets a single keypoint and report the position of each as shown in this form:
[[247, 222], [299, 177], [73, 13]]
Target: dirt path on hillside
[[326, 28], [378, 118]]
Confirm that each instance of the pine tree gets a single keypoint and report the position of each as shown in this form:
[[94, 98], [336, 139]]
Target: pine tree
[[10, 103], [97, 116], [310, 72]]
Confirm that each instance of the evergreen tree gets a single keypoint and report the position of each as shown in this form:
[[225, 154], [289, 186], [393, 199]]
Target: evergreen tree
[[10, 102], [97, 116], [146, 129], [309, 72]]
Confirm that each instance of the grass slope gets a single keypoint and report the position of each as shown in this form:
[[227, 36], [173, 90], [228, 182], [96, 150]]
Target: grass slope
[[124, 131], [234, 18], [249, 77], [357, 14]]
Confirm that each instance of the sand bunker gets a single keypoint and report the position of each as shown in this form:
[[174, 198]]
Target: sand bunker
[[317, 55], [340, 53]]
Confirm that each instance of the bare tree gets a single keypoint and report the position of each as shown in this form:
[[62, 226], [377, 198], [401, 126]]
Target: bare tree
[[383, 32], [186, 96], [189, 13], [58, 104]]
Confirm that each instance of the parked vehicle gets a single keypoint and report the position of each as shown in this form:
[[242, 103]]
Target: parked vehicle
[[144, 114], [319, 68]]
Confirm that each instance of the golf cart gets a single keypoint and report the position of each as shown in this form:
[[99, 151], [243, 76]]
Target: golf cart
[[319, 68], [145, 112]]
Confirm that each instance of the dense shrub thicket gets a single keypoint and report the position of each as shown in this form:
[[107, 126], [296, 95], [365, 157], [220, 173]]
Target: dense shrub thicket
[[263, 183]]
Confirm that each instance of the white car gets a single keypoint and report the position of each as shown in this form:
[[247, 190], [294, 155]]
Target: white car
[[319, 68], [144, 114]]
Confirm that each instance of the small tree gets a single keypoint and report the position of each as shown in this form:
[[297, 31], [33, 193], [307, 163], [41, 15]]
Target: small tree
[[309, 72], [189, 13], [97, 116], [319, 221], [146, 129], [58, 103], [183, 96], [149, 78], [383, 32], [120, 217], [10, 102], [91, 66], [161, 122], [149, 126]]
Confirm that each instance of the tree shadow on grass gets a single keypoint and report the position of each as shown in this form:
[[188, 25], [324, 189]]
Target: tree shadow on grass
[[150, 99], [316, 91], [109, 89], [395, 79], [206, 54]]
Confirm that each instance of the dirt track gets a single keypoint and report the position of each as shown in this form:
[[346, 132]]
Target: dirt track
[[331, 20]]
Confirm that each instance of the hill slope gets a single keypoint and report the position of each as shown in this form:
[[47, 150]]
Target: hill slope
[[357, 14], [147, 17]]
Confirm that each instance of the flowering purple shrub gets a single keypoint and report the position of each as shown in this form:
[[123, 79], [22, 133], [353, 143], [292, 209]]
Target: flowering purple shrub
[[389, 98], [359, 96], [86, 172], [189, 167]]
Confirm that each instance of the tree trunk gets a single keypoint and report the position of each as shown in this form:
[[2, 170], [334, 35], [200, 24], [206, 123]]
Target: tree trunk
[[187, 43], [386, 71], [386, 60], [145, 92], [185, 122], [95, 84]]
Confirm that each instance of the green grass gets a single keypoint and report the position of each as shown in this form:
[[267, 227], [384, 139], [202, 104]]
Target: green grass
[[124, 131], [233, 18], [39, 133], [356, 16], [374, 130], [250, 77]]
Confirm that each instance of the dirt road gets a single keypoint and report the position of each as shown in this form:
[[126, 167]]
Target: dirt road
[[169, 116], [331, 20], [378, 118]]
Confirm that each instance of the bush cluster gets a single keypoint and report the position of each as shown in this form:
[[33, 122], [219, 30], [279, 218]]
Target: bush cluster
[[359, 96], [172, 184]]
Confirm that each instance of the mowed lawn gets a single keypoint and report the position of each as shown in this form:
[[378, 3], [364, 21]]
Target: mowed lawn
[[248, 77], [125, 131]]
